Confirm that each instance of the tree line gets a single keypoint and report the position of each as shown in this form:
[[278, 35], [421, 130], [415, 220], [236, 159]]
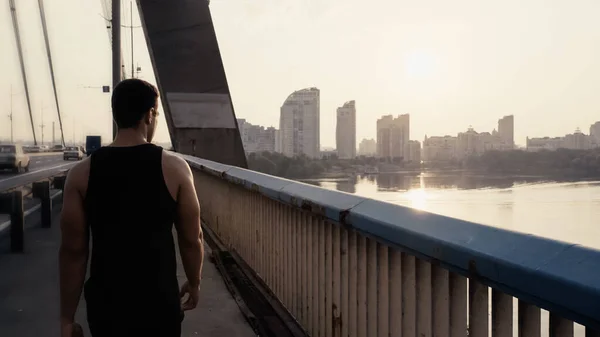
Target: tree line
[[584, 163]]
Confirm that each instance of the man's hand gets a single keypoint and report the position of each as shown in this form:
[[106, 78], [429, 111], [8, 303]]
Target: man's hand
[[66, 330], [192, 300], [71, 330]]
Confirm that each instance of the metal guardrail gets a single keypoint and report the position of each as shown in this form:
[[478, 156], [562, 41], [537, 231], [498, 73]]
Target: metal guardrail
[[11, 203], [23, 179], [560, 277]]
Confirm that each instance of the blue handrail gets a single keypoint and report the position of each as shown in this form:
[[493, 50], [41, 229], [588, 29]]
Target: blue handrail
[[560, 277]]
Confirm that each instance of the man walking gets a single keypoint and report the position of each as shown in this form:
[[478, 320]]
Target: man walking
[[127, 196]]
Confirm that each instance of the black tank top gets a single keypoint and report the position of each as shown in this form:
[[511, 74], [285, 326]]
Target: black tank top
[[130, 213]]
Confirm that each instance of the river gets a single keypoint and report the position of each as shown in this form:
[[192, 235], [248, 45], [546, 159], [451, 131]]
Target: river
[[561, 210]]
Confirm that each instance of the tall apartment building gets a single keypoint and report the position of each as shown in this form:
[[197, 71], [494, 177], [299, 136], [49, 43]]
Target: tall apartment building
[[345, 131], [299, 124], [256, 138], [506, 130], [367, 147], [393, 135]]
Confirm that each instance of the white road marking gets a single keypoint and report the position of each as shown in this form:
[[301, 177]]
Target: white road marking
[[32, 172]]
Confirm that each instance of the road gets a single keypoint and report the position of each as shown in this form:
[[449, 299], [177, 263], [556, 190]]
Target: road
[[39, 168]]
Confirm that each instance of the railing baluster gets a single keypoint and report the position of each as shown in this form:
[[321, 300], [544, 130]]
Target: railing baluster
[[502, 314], [264, 232], [252, 232], [328, 279], [409, 296], [322, 282], [310, 263], [529, 320], [362, 285], [383, 282], [336, 286], [273, 245], [345, 279], [372, 284], [293, 265], [560, 327], [303, 269], [395, 286], [299, 270], [245, 223], [424, 310], [289, 286], [441, 302], [260, 243], [279, 253], [478, 309], [306, 279], [315, 280], [353, 284]]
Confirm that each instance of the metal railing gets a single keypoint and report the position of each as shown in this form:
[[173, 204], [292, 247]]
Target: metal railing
[[12, 203], [20, 180], [344, 265]]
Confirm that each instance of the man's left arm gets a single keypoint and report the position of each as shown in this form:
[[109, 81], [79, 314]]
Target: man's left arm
[[74, 246]]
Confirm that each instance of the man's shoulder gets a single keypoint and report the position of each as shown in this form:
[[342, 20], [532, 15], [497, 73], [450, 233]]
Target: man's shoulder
[[173, 163], [79, 173]]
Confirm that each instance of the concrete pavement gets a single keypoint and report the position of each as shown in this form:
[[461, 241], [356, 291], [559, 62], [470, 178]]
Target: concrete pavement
[[30, 297]]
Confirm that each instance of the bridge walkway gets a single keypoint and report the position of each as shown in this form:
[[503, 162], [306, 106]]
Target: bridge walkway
[[30, 295]]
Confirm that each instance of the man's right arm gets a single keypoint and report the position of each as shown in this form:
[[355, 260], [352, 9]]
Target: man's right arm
[[189, 232]]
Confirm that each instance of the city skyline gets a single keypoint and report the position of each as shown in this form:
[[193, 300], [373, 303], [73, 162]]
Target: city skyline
[[459, 66], [500, 138]]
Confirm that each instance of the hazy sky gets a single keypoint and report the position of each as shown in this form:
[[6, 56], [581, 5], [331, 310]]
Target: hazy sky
[[450, 64]]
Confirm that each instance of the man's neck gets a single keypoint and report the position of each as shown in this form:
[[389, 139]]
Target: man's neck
[[128, 137]]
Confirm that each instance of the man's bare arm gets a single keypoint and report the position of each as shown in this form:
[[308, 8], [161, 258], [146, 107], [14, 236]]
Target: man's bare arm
[[73, 253], [189, 232]]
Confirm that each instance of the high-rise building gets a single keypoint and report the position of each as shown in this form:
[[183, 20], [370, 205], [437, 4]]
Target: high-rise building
[[506, 130], [299, 124], [367, 147], [345, 131], [392, 137]]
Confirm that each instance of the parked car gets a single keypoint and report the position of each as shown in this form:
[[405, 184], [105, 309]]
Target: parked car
[[73, 152], [13, 157]]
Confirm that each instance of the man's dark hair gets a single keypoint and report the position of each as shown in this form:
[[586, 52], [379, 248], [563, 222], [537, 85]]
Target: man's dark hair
[[131, 100]]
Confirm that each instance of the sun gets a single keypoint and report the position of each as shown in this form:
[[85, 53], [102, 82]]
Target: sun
[[419, 64]]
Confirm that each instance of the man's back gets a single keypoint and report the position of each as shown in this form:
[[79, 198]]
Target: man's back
[[128, 196], [130, 213]]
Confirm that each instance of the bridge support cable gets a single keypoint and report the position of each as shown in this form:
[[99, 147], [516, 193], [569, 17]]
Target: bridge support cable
[[13, 12], [52, 76]]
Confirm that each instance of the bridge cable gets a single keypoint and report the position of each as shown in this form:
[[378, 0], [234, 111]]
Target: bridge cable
[[13, 12], [52, 76]]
